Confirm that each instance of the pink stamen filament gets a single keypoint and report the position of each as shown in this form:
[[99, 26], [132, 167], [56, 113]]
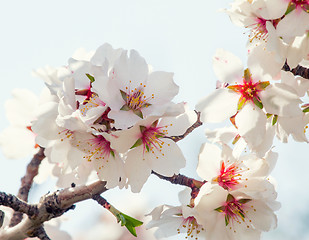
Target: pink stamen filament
[[136, 99], [151, 138], [229, 176], [192, 227], [98, 148], [259, 30]]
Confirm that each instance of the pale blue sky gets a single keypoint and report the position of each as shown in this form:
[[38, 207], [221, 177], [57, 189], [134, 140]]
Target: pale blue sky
[[172, 35]]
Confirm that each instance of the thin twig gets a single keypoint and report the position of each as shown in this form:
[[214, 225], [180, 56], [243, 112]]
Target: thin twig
[[180, 179], [102, 201], [26, 183], [189, 130]]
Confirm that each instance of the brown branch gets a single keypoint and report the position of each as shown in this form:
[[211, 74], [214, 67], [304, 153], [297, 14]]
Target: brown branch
[[16, 204], [26, 183], [180, 179], [40, 233], [189, 130], [102, 201], [299, 70], [50, 206]]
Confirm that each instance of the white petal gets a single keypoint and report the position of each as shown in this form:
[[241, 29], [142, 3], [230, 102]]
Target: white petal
[[105, 52], [251, 123], [272, 9], [111, 170], [178, 125], [17, 142], [133, 68], [167, 160], [20, 110], [262, 217], [124, 119], [218, 106], [280, 99], [227, 67], [209, 162], [162, 86], [286, 27], [137, 169]]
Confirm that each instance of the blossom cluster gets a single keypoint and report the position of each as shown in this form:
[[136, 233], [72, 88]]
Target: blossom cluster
[[108, 115], [259, 102], [112, 118]]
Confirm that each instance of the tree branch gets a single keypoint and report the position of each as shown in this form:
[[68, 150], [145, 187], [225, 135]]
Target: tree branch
[[16, 204], [26, 183], [50, 206], [180, 179], [299, 70], [40, 233], [189, 130]]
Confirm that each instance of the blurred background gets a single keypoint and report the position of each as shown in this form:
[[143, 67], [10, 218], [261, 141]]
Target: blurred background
[[176, 36]]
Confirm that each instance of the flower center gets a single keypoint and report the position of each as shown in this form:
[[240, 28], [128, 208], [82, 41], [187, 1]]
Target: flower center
[[258, 30], [151, 137], [96, 148], [234, 209], [249, 91], [91, 102], [192, 227], [299, 4], [135, 99], [229, 176]]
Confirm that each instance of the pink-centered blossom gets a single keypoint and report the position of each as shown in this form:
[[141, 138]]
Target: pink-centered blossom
[[148, 146], [246, 98], [132, 90], [178, 220], [232, 215], [247, 173]]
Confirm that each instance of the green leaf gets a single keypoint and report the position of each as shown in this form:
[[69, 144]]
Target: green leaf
[[124, 95], [257, 101], [129, 222], [91, 78], [275, 118], [137, 143]]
